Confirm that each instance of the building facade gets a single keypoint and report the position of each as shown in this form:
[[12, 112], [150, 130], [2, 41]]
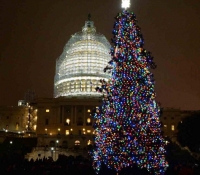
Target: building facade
[[170, 119], [18, 120], [67, 120], [13, 118]]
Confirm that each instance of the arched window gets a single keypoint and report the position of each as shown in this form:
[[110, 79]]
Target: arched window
[[77, 142], [67, 122]]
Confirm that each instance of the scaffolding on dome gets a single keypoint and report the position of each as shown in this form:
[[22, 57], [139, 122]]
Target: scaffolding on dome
[[80, 66]]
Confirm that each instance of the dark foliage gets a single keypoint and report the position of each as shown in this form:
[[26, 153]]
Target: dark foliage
[[189, 132]]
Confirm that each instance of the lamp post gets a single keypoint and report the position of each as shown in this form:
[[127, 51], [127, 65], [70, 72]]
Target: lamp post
[[57, 146], [29, 118], [9, 149], [57, 142], [52, 149]]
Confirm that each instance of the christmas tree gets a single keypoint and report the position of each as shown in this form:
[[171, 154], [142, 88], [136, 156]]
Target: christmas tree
[[127, 126]]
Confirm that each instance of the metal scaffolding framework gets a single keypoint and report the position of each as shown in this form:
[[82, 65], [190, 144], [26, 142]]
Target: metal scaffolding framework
[[80, 66]]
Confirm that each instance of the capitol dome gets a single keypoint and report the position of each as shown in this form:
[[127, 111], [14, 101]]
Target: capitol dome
[[81, 65]]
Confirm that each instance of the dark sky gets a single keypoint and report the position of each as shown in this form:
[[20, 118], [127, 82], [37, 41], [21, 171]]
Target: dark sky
[[34, 32]]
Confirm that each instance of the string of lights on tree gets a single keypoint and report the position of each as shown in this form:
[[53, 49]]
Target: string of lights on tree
[[127, 126]]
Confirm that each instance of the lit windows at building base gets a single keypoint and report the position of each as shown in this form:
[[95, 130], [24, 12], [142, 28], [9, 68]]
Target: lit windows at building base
[[69, 119]]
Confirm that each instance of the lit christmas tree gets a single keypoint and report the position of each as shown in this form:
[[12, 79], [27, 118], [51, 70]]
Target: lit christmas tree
[[127, 126]]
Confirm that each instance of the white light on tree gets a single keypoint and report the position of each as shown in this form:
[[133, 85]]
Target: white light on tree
[[126, 4]]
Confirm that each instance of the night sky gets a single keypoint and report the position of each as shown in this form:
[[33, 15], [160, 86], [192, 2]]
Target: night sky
[[34, 32]]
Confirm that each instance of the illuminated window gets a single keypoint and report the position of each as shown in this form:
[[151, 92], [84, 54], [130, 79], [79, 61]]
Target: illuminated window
[[77, 142], [17, 126], [34, 127], [47, 110], [172, 127], [89, 142], [67, 132], [88, 110], [88, 120], [88, 131], [68, 121]]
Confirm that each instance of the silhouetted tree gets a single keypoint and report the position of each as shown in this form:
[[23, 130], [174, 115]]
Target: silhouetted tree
[[188, 132]]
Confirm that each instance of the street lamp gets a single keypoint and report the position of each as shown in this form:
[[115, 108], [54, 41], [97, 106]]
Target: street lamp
[[29, 118], [9, 147], [52, 149], [57, 142]]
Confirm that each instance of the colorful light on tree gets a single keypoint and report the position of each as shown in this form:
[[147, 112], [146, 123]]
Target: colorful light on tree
[[127, 126]]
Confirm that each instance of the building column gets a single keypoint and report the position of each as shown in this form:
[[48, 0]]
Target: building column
[[72, 114], [84, 111], [60, 114], [63, 113]]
